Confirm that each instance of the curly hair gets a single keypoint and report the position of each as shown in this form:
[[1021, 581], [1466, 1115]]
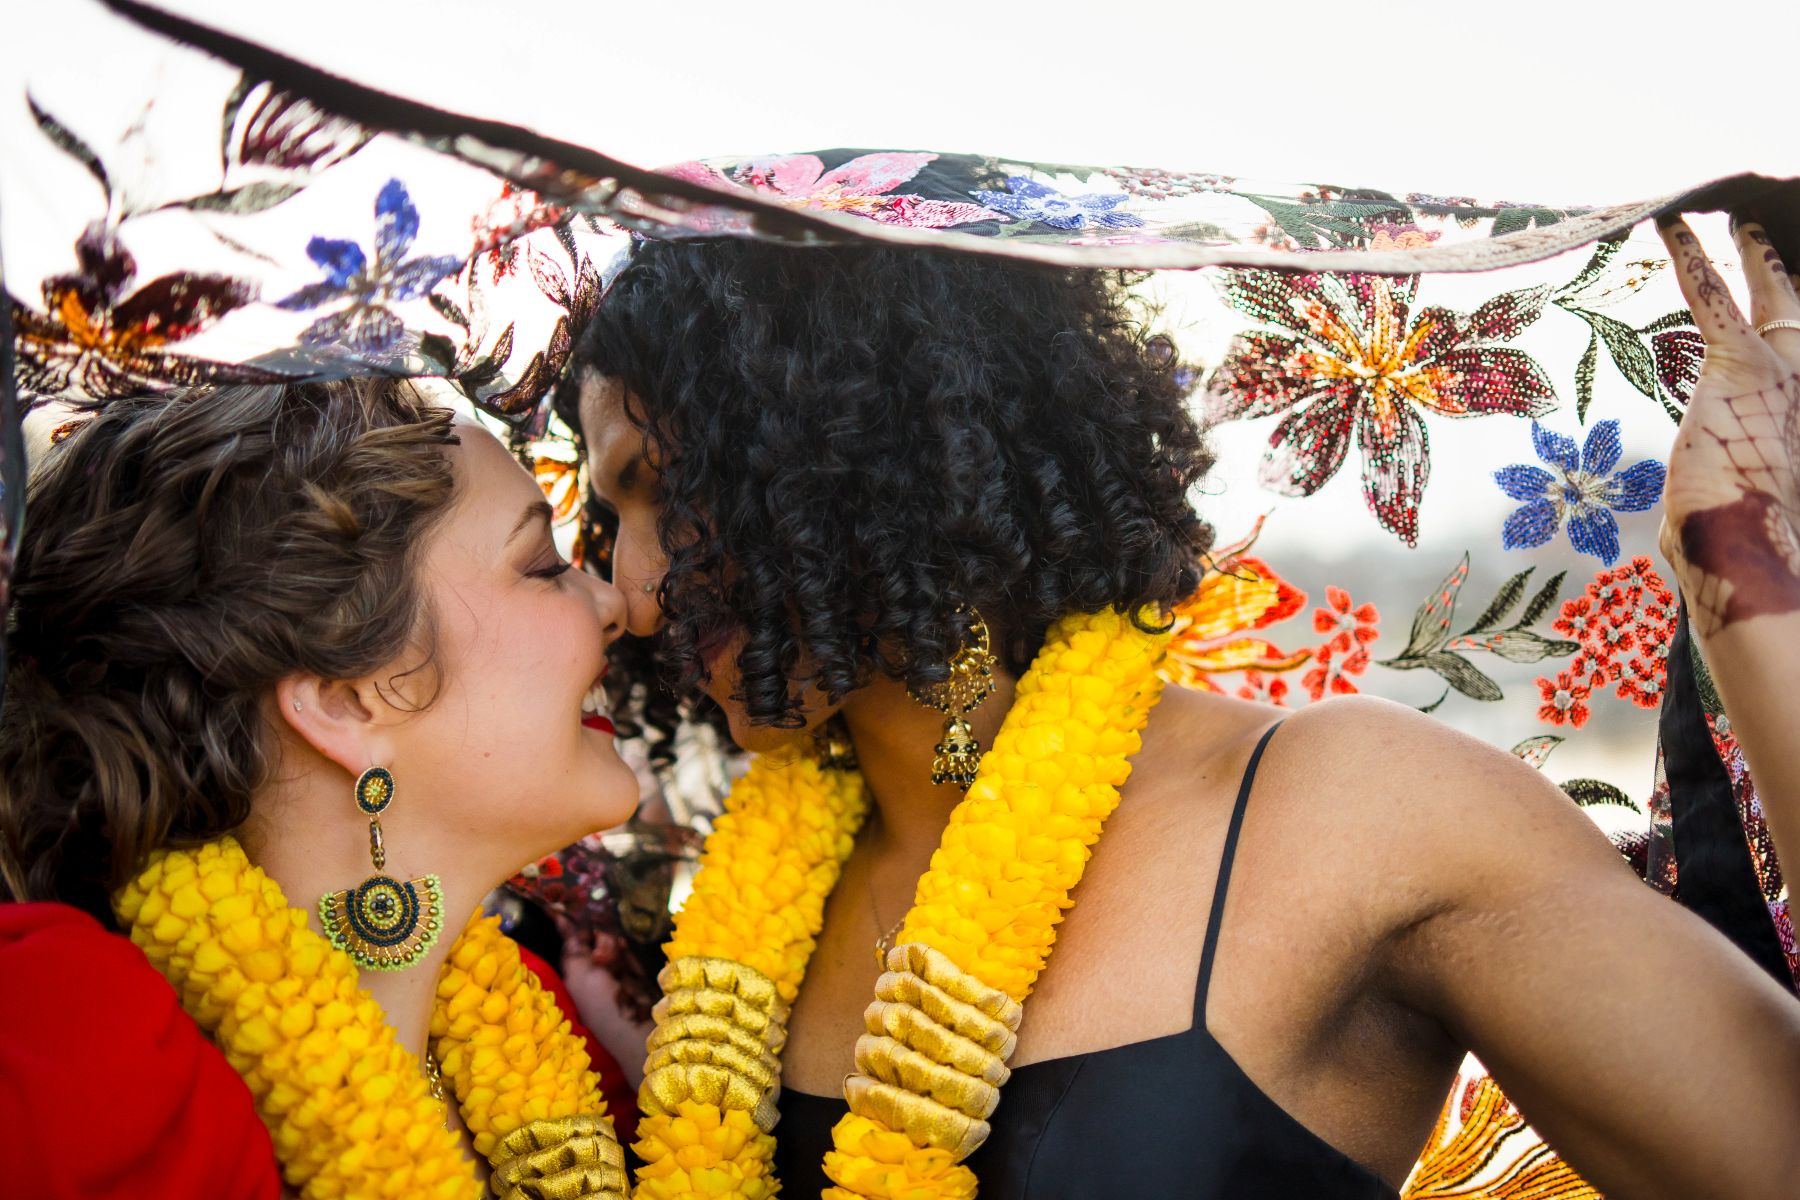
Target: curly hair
[[853, 442], [184, 553]]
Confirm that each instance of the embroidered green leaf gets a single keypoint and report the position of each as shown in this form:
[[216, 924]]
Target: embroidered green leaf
[[1624, 345], [1463, 675], [234, 104], [1584, 377], [1591, 792], [1604, 252], [1524, 646], [77, 149], [447, 309], [1502, 603], [1326, 224], [1540, 604], [251, 198], [1675, 320], [1628, 351], [1430, 647], [1514, 642], [1515, 220], [1535, 750], [486, 369], [1431, 624]]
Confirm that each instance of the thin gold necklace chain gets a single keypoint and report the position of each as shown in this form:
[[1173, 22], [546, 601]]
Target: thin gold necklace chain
[[885, 942], [435, 1080]]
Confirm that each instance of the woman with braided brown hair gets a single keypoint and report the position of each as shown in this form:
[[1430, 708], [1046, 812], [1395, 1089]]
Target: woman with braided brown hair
[[308, 644]]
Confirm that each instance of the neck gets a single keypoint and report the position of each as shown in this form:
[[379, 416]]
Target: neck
[[895, 738]]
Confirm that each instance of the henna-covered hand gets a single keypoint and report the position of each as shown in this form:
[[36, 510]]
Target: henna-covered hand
[[1731, 523]]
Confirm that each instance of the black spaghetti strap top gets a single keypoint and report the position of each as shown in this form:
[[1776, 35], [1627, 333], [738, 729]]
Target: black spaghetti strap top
[[1171, 1117]]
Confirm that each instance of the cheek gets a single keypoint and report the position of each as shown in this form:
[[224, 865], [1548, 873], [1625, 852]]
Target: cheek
[[516, 670]]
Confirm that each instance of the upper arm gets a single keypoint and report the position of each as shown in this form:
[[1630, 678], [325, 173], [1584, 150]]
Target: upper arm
[[1645, 1047]]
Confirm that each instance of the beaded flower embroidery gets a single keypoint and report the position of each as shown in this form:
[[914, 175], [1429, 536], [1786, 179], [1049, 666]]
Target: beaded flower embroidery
[[1346, 356], [864, 186], [1216, 630], [1581, 487]]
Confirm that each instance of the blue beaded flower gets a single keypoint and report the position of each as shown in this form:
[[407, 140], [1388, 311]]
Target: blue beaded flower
[[1028, 200], [1580, 486], [367, 325]]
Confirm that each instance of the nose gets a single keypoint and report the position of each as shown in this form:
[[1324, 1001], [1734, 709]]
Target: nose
[[609, 602], [644, 606], [640, 577]]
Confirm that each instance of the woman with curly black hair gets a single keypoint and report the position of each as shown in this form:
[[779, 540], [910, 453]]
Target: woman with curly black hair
[[835, 475]]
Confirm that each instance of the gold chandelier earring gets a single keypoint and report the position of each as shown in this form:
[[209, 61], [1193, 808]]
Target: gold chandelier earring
[[971, 681], [382, 923]]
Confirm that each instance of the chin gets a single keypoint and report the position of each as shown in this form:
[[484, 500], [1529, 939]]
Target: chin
[[761, 739], [614, 794], [768, 739]]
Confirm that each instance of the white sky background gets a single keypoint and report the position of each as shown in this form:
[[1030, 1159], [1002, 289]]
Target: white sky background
[[1580, 101], [1574, 102]]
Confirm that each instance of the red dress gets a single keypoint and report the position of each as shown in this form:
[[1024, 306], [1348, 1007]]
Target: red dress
[[109, 1090]]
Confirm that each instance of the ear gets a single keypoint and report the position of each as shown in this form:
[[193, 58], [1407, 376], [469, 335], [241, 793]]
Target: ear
[[346, 721]]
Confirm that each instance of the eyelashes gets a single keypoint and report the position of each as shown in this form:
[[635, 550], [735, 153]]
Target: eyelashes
[[551, 571]]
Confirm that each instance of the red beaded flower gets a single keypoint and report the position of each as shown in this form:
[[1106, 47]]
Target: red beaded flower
[[1347, 357], [1623, 622], [1345, 652]]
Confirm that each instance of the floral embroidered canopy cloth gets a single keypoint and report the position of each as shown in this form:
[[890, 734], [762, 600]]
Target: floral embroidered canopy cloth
[[1441, 419]]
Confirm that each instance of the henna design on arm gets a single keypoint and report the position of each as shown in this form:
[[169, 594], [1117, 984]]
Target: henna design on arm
[[1710, 288], [1771, 256], [1742, 559]]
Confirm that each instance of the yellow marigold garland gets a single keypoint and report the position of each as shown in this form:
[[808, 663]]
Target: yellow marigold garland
[[981, 927], [1016, 846], [346, 1105], [503, 1044], [770, 862], [738, 952]]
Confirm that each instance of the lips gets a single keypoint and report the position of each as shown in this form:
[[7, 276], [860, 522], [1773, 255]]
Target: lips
[[593, 710]]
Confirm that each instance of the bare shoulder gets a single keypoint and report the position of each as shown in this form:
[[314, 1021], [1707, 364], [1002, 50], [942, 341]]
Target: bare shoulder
[[1426, 816], [1193, 733], [1386, 760], [1362, 793], [1412, 750]]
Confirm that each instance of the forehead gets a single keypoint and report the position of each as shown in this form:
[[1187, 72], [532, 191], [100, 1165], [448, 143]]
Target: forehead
[[491, 485], [604, 422]]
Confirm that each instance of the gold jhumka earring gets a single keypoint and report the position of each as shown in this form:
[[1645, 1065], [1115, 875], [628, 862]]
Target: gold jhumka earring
[[832, 746], [382, 923], [971, 681]]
